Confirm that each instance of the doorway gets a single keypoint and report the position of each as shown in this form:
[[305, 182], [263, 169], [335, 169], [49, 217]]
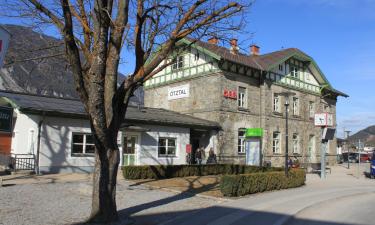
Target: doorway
[[130, 149]]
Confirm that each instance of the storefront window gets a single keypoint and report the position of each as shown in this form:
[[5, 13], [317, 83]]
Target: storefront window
[[83, 145], [167, 147]]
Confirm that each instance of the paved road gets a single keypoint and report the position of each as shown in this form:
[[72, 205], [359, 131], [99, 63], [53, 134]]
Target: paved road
[[340, 199]]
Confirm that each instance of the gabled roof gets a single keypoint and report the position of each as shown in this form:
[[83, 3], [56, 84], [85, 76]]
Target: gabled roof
[[265, 62], [66, 107]]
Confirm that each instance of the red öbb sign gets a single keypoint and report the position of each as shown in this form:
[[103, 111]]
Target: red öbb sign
[[230, 94]]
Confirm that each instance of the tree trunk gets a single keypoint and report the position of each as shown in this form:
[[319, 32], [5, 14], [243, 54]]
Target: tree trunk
[[104, 207]]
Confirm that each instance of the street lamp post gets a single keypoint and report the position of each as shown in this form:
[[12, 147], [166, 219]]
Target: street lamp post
[[286, 135], [347, 132], [286, 95]]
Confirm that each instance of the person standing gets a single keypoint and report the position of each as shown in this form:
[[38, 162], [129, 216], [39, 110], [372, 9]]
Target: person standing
[[198, 156]]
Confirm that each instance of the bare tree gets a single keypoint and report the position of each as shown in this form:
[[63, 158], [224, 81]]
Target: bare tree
[[95, 32]]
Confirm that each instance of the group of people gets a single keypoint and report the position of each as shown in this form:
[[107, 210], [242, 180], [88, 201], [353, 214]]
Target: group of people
[[200, 156]]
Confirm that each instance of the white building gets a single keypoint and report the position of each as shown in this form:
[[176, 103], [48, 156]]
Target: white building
[[55, 134]]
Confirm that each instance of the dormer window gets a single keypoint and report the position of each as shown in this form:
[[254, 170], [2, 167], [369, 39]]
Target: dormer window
[[280, 67], [177, 62], [294, 71]]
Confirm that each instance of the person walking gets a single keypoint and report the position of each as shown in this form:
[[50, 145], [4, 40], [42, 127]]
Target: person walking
[[211, 157]]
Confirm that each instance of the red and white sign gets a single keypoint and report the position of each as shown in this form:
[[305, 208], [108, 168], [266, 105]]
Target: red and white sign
[[188, 148], [4, 41], [323, 120], [230, 94]]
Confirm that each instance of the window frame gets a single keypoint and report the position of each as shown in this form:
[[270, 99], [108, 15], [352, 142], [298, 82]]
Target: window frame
[[241, 141], [276, 148], [242, 102], [276, 105], [294, 72], [311, 144], [296, 143], [167, 155], [281, 67], [311, 109], [178, 62], [84, 145], [295, 106]]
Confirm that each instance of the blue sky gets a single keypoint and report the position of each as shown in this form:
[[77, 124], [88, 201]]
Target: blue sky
[[338, 34]]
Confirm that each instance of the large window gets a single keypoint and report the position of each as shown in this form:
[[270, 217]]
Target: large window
[[177, 62], [241, 140], [311, 110], [83, 144], [241, 97], [276, 142], [295, 106], [296, 143], [294, 71], [167, 147], [276, 103]]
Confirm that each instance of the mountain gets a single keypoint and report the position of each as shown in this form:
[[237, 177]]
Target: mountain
[[35, 63], [366, 135]]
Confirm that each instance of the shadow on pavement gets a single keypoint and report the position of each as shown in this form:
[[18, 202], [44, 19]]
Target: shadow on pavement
[[222, 215]]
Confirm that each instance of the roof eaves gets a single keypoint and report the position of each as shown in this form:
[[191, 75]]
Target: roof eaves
[[200, 48]]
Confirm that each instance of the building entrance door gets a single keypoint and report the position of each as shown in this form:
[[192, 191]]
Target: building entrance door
[[130, 149]]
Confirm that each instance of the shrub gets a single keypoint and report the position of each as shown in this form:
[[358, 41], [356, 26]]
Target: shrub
[[170, 171], [243, 184]]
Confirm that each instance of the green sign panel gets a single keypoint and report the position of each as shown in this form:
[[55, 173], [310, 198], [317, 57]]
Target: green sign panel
[[6, 117], [254, 132]]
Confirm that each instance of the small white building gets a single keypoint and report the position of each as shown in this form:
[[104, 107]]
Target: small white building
[[56, 133]]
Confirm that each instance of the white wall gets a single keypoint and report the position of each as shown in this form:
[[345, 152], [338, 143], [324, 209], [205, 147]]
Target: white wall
[[25, 133], [149, 145]]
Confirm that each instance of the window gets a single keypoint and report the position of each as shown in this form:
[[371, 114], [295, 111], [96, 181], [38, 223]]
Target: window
[[177, 62], [311, 109], [241, 140], [276, 103], [294, 71], [326, 108], [83, 145], [280, 67], [241, 97], [167, 147], [295, 143], [295, 106], [196, 56], [276, 143], [311, 145]]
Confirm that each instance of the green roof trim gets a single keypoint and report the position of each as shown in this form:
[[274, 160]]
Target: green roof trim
[[12, 103]]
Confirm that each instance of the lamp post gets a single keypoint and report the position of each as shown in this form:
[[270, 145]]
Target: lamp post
[[286, 95]]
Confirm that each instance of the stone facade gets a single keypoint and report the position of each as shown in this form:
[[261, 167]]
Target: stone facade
[[207, 101]]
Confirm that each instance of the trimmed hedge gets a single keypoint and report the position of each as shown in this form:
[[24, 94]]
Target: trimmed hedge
[[170, 171], [243, 184]]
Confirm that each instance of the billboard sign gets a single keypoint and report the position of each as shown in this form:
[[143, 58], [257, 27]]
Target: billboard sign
[[4, 42]]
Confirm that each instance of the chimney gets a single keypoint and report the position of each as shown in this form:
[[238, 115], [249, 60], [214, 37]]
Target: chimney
[[254, 50], [234, 46], [213, 40]]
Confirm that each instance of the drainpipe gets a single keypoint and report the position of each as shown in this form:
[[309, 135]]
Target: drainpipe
[[37, 171]]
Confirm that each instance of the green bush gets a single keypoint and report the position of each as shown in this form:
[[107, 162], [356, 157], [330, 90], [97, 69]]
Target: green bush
[[243, 184], [170, 171]]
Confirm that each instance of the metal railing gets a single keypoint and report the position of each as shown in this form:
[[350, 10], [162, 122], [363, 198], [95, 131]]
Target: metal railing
[[23, 162]]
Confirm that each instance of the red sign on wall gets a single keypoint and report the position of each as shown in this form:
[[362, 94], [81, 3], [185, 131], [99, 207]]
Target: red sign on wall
[[230, 94], [188, 148]]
